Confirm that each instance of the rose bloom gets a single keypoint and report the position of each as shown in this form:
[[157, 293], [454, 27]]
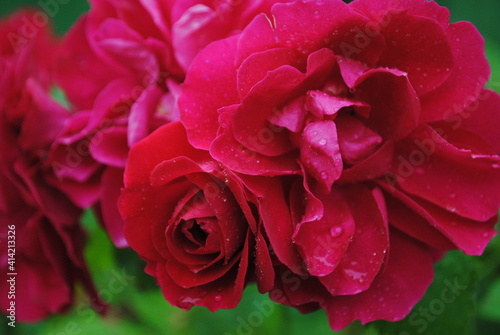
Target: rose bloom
[[193, 222], [374, 118], [41, 239], [120, 67]]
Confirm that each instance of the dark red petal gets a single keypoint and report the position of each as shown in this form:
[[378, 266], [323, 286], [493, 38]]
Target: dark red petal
[[292, 116], [111, 148], [378, 9], [250, 124], [322, 243], [470, 236], [320, 153], [209, 85], [427, 166], [364, 257], [278, 224], [225, 292], [74, 61], [323, 105], [318, 28], [408, 221], [255, 67], [482, 117], [467, 78], [372, 167], [156, 148], [256, 37], [43, 122], [356, 141], [264, 270], [394, 291], [419, 47], [226, 149], [111, 185], [142, 113], [395, 108], [169, 170]]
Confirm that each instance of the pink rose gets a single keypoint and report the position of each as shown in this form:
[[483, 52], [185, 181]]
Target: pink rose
[[374, 117], [41, 239], [193, 222], [121, 66]]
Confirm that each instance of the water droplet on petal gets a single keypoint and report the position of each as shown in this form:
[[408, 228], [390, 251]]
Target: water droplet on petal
[[322, 141], [336, 231], [218, 298], [324, 175], [453, 195]]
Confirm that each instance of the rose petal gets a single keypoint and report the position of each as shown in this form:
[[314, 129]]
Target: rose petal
[[322, 243], [419, 47], [111, 185], [317, 28], [320, 152], [365, 254], [470, 189], [356, 141], [467, 77], [395, 108], [202, 95], [470, 236], [394, 291]]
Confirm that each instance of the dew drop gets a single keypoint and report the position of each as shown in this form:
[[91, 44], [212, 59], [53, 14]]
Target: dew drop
[[453, 195], [485, 235], [322, 141], [324, 175], [218, 298], [336, 231]]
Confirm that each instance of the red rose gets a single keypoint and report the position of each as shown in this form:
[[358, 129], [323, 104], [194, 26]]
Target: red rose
[[41, 239], [194, 223], [137, 53], [374, 117]]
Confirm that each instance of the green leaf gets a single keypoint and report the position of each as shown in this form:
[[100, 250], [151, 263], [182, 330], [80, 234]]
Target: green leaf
[[58, 95]]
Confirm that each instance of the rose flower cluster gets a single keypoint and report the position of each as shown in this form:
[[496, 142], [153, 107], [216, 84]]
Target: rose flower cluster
[[329, 153]]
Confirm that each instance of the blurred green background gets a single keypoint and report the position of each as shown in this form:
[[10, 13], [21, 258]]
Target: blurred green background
[[139, 308]]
